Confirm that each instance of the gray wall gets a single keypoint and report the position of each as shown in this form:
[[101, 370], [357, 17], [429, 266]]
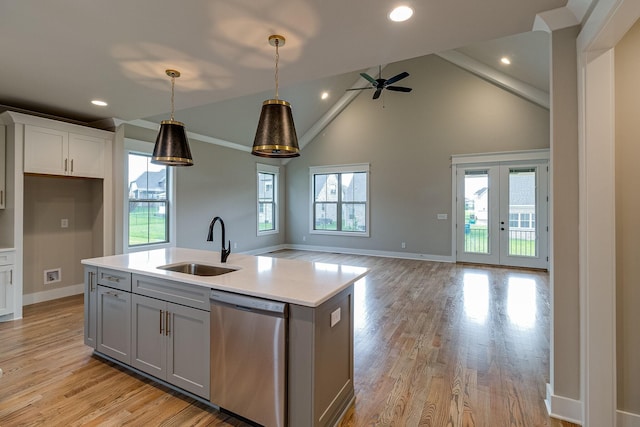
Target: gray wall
[[222, 183], [47, 246], [627, 107], [408, 140], [564, 215]]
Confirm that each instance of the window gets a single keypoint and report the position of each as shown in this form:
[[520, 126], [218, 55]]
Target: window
[[340, 200], [267, 199], [148, 201]]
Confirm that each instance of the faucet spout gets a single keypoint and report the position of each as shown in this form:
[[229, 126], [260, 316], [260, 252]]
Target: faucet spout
[[224, 252]]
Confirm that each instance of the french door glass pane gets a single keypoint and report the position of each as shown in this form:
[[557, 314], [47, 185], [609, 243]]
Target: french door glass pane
[[522, 205], [476, 211]]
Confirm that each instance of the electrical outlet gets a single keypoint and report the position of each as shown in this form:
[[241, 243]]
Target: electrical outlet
[[304, 238], [64, 223], [335, 317], [443, 216], [404, 245], [235, 245]]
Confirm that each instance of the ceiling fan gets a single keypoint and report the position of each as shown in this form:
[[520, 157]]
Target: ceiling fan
[[379, 84]]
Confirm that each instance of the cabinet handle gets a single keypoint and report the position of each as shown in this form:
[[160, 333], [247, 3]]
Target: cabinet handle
[[11, 277], [65, 164], [71, 165], [168, 322], [113, 279], [91, 286], [161, 328], [113, 294], [1, 197]]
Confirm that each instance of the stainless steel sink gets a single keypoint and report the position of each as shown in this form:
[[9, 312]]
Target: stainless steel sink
[[197, 269]]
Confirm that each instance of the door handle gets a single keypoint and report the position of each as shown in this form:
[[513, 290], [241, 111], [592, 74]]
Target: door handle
[[168, 323]]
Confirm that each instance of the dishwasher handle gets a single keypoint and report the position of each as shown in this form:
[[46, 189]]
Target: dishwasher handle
[[248, 303]]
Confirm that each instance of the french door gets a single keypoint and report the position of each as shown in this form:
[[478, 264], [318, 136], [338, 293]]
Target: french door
[[501, 211]]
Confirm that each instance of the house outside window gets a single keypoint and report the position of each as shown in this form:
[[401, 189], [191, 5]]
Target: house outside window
[[148, 204], [339, 200], [267, 199]]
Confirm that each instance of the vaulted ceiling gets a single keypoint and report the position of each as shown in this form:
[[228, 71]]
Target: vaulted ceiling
[[58, 56]]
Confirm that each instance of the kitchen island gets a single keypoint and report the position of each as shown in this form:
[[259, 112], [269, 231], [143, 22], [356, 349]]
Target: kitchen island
[[157, 322]]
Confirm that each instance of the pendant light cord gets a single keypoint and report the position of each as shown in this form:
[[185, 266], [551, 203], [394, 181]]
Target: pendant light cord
[[173, 82], [277, 58]]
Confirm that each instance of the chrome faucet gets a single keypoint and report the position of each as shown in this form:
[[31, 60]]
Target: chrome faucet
[[224, 253]]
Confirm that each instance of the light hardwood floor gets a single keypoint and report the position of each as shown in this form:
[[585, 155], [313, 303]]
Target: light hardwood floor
[[435, 345]]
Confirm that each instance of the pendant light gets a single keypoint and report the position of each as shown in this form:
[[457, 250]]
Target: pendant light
[[276, 133], [172, 146]]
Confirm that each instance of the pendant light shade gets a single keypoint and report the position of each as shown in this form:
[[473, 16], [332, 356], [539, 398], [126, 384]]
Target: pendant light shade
[[172, 146], [276, 134]]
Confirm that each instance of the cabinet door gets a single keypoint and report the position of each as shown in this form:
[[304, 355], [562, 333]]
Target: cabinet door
[[3, 168], [86, 156], [45, 151], [90, 306], [6, 289], [114, 323], [188, 349], [148, 319]]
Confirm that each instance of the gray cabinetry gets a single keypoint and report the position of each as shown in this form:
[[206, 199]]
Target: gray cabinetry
[[90, 305], [321, 361], [114, 323], [171, 342]]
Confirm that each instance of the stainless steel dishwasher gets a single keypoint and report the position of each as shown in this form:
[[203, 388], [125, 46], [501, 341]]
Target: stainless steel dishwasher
[[249, 357]]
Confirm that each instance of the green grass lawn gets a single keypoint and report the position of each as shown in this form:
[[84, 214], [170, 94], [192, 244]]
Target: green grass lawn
[[146, 228]]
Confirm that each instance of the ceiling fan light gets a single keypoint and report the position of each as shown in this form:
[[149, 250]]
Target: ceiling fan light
[[401, 14], [172, 146], [276, 133]]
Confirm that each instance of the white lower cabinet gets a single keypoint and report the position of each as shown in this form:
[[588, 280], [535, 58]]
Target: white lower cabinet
[[114, 323], [171, 342], [6, 283]]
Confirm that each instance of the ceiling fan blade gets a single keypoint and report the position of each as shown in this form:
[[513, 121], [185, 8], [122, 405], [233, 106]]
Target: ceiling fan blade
[[360, 88], [377, 94], [399, 88], [395, 78], [368, 77]]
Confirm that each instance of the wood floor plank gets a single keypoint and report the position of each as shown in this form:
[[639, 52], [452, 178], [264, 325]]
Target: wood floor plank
[[435, 345]]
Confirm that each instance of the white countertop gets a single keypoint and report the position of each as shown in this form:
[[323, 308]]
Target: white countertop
[[293, 281]]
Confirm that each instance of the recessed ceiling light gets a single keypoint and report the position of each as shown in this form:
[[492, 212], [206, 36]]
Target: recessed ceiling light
[[401, 13], [505, 60], [324, 95], [99, 103]]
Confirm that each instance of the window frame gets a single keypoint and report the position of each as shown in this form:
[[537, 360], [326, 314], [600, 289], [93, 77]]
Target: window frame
[[143, 148], [339, 170], [275, 171]]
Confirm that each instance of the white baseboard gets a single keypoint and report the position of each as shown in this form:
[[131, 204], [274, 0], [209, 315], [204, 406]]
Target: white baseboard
[[371, 252], [563, 408], [28, 299], [627, 419]]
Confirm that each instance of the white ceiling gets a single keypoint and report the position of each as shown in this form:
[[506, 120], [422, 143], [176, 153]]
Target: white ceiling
[[57, 56]]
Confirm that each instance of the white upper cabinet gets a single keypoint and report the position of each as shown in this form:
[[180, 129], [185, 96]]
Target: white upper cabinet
[[55, 152]]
